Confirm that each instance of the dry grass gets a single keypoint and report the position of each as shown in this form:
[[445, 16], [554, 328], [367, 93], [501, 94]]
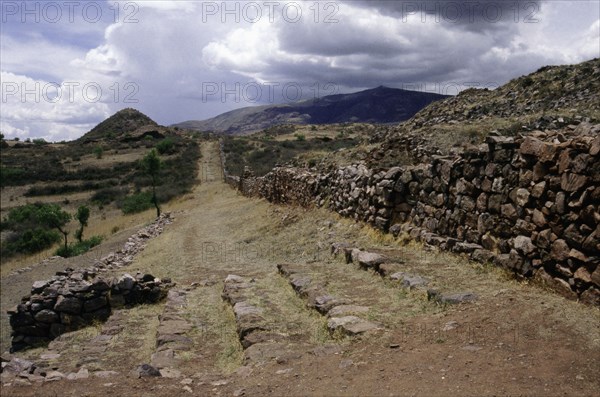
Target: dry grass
[[109, 158], [137, 341], [253, 236], [215, 327], [110, 224]]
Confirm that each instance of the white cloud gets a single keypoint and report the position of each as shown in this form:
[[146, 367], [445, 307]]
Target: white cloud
[[177, 47], [41, 109]]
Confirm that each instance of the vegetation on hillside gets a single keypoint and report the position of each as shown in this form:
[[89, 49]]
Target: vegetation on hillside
[[262, 152], [35, 227], [62, 169], [552, 97], [119, 124], [103, 173]]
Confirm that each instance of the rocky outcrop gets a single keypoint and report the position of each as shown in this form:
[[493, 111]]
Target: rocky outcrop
[[530, 204]]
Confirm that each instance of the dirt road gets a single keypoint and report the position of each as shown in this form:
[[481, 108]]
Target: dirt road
[[515, 339]]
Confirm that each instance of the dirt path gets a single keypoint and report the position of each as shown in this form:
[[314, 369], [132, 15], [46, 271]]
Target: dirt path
[[516, 339]]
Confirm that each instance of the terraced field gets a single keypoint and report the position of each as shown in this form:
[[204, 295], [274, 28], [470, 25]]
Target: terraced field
[[261, 306]]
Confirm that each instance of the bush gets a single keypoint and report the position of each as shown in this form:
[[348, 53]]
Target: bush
[[11, 176], [300, 137], [98, 152], [137, 202], [78, 248], [39, 142], [34, 228], [108, 195], [30, 241], [527, 82], [166, 146]]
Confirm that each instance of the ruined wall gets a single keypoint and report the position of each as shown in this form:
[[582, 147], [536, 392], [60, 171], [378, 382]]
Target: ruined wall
[[530, 204], [73, 299]]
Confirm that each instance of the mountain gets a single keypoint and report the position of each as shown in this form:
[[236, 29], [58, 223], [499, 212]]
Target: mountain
[[126, 124], [378, 105], [551, 98], [566, 88]]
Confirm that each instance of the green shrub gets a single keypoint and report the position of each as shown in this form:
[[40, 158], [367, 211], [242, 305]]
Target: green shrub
[[34, 227], [39, 142], [166, 146], [30, 241], [78, 248], [300, 137], [11, 176], [108, 195], [137, 202], [98, 152], [527, 82]]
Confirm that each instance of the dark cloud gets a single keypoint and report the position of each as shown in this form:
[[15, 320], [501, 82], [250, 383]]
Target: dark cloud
[[476, 16]]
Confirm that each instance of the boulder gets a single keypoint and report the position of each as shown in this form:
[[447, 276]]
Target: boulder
[[370, 259], [560, 250], [524, 245], [350, 325], [69, 305], [573, 182], [46, 316]]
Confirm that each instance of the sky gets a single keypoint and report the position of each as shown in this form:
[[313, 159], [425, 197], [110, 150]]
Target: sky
[[67, 65]]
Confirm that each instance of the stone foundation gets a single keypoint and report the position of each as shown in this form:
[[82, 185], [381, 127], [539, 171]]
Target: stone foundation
[[529, 204]]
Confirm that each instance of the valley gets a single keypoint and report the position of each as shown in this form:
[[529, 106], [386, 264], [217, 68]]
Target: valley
[[515, 338], [455, 253]]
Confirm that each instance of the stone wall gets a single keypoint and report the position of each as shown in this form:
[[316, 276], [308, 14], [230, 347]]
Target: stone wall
[[529, 204], [73, 299]]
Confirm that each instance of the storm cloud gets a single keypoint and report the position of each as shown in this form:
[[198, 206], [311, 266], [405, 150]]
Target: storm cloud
[[180, 60]]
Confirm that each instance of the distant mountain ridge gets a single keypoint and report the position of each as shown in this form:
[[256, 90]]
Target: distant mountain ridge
[[377, 105]]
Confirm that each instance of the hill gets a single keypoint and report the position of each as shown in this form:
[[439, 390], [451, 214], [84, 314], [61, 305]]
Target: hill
[[121, 125], [101, 170], [378, 105], [551, 98]]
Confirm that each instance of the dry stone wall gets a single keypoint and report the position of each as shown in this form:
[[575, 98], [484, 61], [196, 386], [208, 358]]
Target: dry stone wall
[[529, 204], [73, 299]]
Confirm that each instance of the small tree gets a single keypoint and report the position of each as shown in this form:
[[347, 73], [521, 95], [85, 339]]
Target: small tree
[[82, 216], [152, 164], [98, 151], [53, 216]]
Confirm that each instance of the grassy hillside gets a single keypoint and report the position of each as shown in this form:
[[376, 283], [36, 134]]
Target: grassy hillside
[[550, 98], [301, 145], [105, 175], [119, 125]]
